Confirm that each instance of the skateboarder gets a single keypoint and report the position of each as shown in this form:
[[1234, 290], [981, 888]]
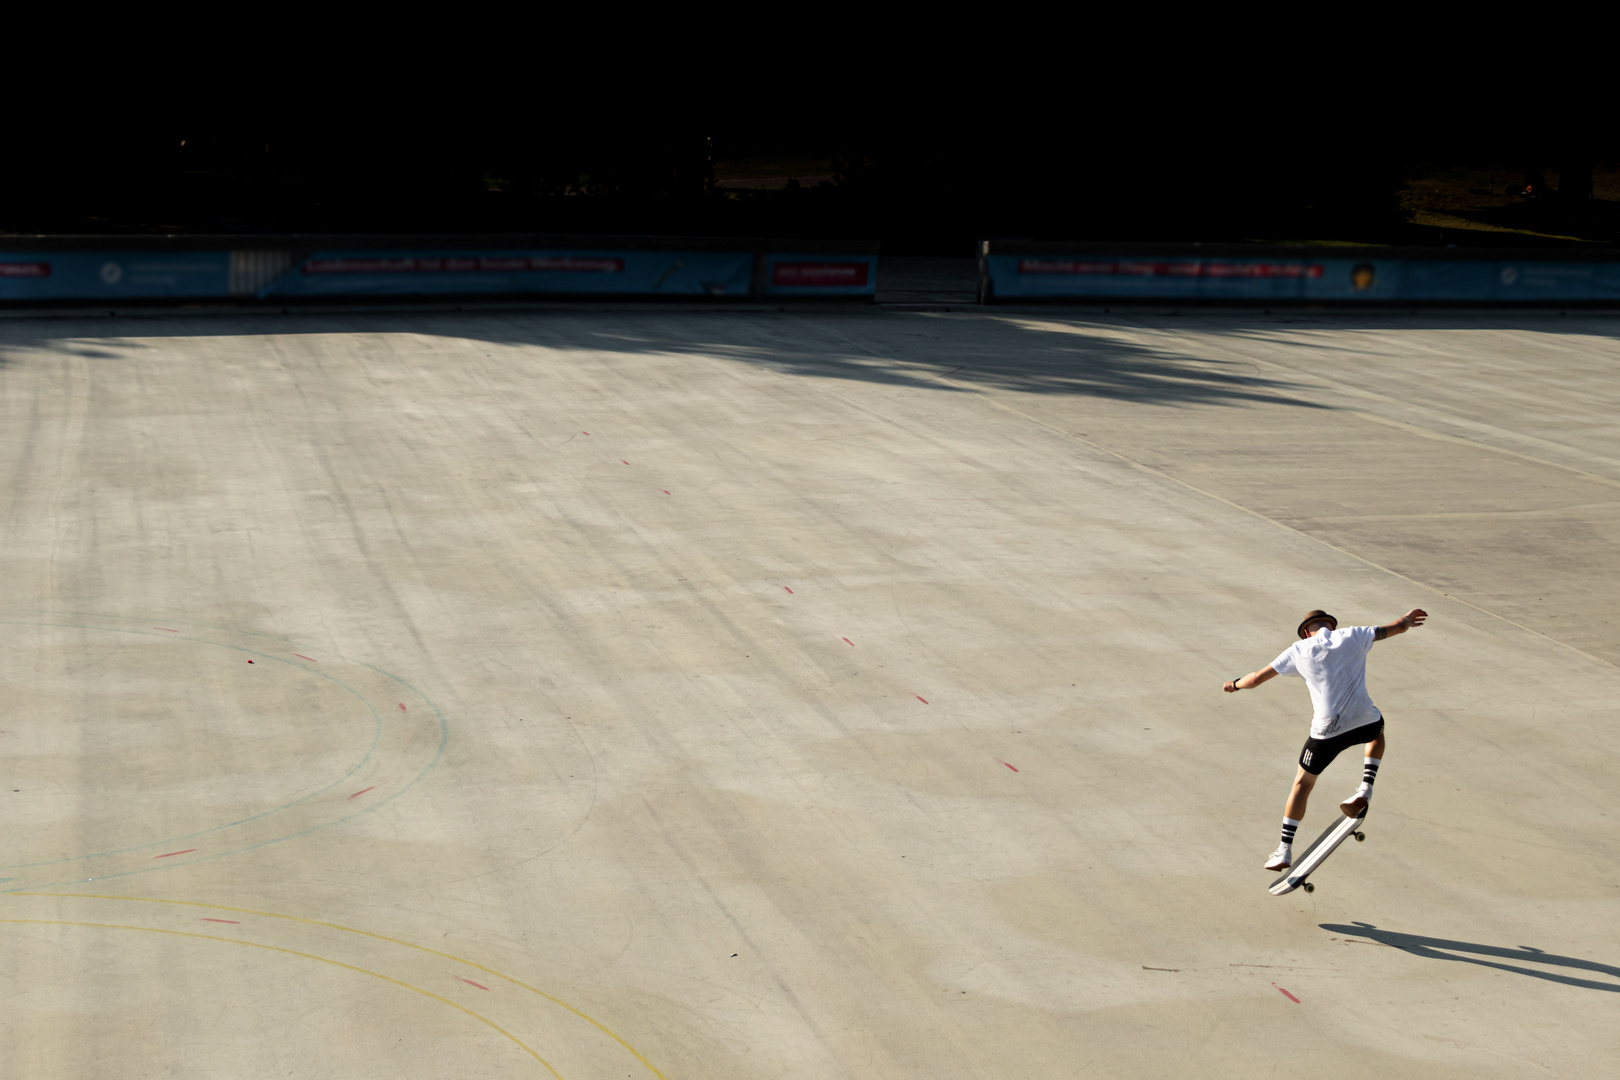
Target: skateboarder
[[1333, 663]]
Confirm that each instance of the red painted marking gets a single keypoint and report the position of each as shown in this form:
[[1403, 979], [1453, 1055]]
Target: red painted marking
[[469, 982], [1009, 765], [188, 851], [584, 433], [1286, 994], [233, 922], [166, 630], [402, 707], [250, 661], [785, 587], [824, 274], [626, 462], [664, 490], [362, 791], [847, 641], [920, 698], [301, 656]]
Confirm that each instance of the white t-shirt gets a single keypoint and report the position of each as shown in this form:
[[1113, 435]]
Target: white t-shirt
[[1333, 664]]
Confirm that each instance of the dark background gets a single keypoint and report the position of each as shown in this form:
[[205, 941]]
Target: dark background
[[921, 186]]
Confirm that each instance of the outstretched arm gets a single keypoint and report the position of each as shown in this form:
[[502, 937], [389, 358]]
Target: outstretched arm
[[1401, 625], [1249, 681]]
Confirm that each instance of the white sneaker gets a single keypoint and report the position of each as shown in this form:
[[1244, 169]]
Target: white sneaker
[[1281, 859], [1355, 805]]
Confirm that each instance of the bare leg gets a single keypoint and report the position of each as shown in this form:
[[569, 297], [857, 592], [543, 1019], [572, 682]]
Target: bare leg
[[1300, 794], [1376, 747]]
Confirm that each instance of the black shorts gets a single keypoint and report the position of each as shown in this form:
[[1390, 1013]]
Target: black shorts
[[1319, 753]]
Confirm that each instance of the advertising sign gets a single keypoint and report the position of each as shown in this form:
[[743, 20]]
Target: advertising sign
[[114, 275], [581, 273], [821, 275], [1306, 277]]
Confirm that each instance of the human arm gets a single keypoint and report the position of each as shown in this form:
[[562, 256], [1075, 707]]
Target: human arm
[[1249, 681], [1401, 625]]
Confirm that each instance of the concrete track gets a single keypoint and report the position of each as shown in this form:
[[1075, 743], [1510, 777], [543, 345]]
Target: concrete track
[[799, 695]]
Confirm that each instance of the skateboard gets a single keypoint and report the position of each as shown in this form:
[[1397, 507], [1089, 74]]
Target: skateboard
[[1317, 854]]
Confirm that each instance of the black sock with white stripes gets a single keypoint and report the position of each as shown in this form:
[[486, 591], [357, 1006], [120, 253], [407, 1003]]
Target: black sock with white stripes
[[1289, 825]]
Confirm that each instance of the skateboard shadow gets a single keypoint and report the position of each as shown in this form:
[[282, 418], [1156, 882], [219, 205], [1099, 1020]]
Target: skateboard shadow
[[1444, 949]]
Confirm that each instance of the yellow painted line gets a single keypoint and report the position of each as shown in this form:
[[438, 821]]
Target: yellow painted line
[[650, 1067], [307, 956]]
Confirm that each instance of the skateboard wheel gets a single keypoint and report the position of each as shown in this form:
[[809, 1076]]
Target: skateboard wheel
[[1360, 836], [1308, 887]]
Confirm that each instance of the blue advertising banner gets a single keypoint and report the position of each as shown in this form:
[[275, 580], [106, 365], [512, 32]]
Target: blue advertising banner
[[1510, 280], [1050, 276], [270, 268], [427, 272], [1299, 277], [821, 275], [113, 275]]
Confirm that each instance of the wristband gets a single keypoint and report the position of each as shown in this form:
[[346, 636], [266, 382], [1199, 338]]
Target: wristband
[[1235, 686]]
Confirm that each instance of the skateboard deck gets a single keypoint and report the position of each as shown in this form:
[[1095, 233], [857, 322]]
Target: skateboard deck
[[1317, 854]]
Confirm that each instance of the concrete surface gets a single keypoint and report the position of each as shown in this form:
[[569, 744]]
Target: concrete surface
[[734, 695]]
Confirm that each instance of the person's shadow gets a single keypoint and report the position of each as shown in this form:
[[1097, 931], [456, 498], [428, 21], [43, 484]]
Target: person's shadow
[[1443, 949]]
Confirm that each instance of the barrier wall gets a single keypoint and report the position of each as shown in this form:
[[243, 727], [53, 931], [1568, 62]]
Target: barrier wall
[[43, 270], [1025, 271], [45, 274]]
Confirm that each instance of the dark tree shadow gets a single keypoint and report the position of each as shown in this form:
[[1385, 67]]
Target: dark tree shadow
[[953, 356], [1444, 949], [1054, 352], [896, 349]]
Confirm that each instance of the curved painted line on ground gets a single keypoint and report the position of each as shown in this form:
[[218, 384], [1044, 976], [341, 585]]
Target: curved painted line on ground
[[307, 956], [444, 738], [650, 1067], [376, 738], [179, 622], [438, 754]]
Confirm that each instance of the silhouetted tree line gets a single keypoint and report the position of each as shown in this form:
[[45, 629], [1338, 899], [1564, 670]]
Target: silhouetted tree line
[[915, 185]]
